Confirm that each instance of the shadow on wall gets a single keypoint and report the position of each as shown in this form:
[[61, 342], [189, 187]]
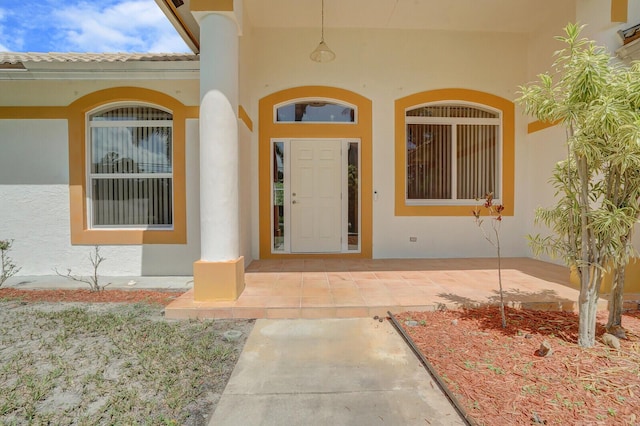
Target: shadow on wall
[[177, 259]]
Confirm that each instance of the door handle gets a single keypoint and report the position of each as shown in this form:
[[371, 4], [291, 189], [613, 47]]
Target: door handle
[[294, 202]]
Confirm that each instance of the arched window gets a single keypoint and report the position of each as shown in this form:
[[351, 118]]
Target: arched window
[[316, 110], [451, 147], [453, 152], [130, 167]]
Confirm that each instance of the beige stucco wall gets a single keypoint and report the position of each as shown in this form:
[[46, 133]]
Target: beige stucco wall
[[248, 156], [384, 65], [63, 93]]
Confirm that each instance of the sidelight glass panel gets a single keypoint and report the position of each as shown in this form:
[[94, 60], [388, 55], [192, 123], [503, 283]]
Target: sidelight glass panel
[[353, 185], [278, 196]]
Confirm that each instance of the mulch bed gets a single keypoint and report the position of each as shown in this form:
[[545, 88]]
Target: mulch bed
[[81, 295], [499, 379]]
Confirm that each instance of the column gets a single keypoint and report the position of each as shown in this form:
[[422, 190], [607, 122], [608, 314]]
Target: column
[[219, 274]]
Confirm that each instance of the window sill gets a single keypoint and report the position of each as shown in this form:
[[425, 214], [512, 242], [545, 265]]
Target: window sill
[[126, 237], [441, 210], [447, 203]]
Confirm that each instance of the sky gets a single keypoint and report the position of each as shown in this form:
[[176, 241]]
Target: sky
[[97, 26]]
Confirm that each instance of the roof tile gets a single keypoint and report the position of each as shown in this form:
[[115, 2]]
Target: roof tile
[[17, 58]]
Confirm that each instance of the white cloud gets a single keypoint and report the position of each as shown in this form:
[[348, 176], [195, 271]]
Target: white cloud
[[169, 43], [136, 25], [3, 47]]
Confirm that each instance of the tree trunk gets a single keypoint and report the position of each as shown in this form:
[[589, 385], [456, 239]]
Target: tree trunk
[[616, 297], [588, 305], [502, 315]]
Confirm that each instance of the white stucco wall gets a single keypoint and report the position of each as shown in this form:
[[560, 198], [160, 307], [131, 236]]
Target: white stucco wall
[[384, 65], [597, 15], [34, 207], [546, 147]]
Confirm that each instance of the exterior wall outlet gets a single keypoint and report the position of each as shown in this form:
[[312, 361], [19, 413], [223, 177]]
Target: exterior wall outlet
[[413, 239]]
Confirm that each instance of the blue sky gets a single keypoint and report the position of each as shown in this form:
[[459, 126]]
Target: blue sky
[[86, 26]]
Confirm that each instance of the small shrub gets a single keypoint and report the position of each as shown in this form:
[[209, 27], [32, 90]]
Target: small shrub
[[9, 268], [94, 281], [495, 213]]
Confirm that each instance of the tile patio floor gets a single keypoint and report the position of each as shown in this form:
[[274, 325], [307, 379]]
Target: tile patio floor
[[336, 288]]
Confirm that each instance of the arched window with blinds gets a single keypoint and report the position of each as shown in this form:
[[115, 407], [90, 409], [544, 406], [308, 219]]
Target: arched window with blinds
[[452, 153], [130, 167]]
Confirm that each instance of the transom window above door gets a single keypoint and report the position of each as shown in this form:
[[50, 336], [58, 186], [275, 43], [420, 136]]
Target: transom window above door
[[453, 153], [315, 111]]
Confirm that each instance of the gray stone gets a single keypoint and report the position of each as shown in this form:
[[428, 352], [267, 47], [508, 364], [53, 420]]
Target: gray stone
[[231, 335], [611, 341]]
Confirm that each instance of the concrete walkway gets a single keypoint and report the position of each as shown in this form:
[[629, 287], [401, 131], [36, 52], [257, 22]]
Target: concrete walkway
[[330, 372]]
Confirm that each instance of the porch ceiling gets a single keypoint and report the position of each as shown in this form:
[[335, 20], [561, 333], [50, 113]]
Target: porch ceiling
[[509, 16], [457, 15]]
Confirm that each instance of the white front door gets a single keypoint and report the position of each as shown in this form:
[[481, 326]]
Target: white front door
[[316, 196]]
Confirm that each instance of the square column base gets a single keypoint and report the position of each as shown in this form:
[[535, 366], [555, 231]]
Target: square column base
[[217, 281]]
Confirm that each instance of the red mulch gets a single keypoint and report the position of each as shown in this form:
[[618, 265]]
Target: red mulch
[[499, 380], [82, 295]]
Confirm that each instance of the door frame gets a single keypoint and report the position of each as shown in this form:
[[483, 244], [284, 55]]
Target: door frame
[[270, 130]]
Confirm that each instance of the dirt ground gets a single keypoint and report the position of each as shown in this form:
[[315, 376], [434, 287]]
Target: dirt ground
[[87, 362], [500, 378]]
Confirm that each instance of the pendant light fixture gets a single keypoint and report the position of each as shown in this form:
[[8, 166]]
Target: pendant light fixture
[[322, 53]]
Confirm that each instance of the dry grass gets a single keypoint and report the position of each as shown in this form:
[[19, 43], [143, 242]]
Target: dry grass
[[104, 364]]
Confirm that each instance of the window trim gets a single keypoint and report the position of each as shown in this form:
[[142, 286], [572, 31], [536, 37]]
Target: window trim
[[81, 233], [504, 107], [125, 123]]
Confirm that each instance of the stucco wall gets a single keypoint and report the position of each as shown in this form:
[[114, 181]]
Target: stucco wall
[[384, 65], [248, 158], [542, 44], [34, 207], [546, 147], [63, 93], [600, 28]]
